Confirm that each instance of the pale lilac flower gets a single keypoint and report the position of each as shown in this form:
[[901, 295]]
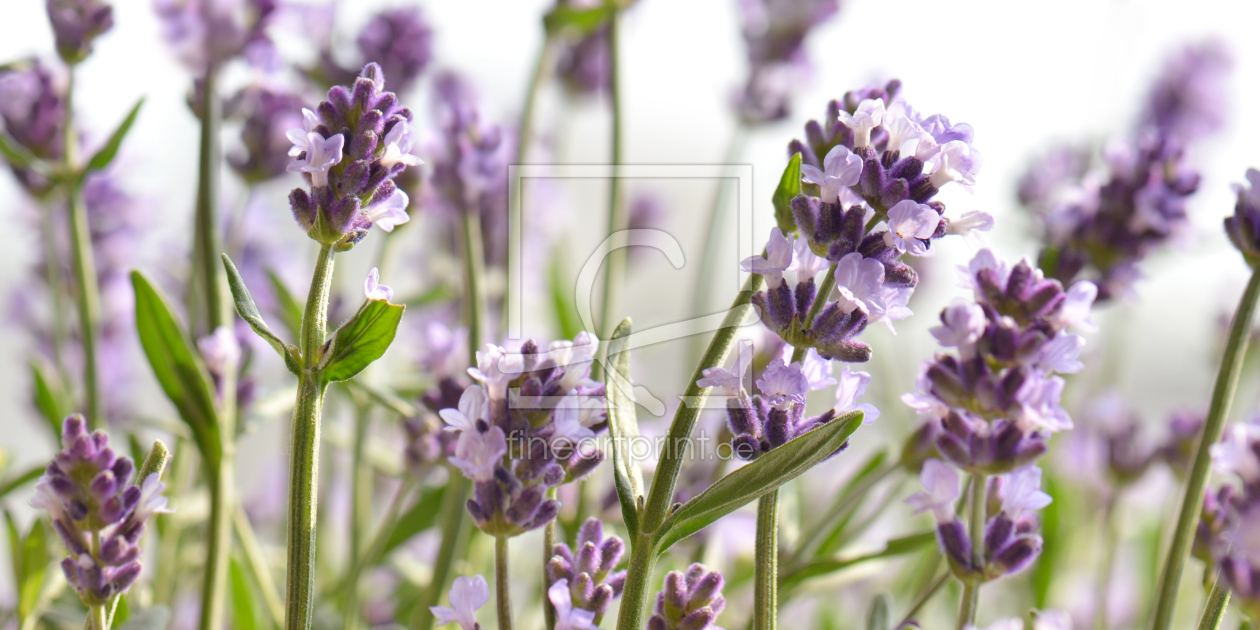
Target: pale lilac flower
[[969, 224], [783, 384], [843, 168], [817, 370], [1076, 307], [957, 161], [1039, 404], [472, 407], [1052, 620], [777, 259], [961, 325], [1235, 453], [868, 116], [984, 259], [1021, 490], [568, 428], [568, 617], [575, 358], [495, 369], [909, 223], [805, 263], [860, 282], [849, 388], [398, 147], [1060, 355], [220, 350], [321, 154], [729, 379], [466, 596], [300, 137], [941, 490], [389, 213], [477, 453], [902, 124], [374, 290]]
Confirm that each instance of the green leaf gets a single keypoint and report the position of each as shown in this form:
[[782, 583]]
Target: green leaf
[[623, 426], [35, 558], [766, 473], [420, 517], [877, 616], [156, 617], [290, 306], [15, 154], [244, 608], [51, 397], [178, 367], [13, 482], [106, 154], [577, 20], [789, 188], [363, 339], [562, 301], [895, 547], [248, 311]]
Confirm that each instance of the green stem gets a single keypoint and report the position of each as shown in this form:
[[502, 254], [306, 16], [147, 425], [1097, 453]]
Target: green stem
[[1214, 610], [615, 269], [454, 538], [56, 290], [361, 514], [474, 271], [257, 565], [766, 565], [549, 541], [97, 617], [502, 583], [971, 587], [304, 453], [1218, 411], [635, 595], [206, 266], [218, 539], [1111, 534], [924, 597], [89, 291]]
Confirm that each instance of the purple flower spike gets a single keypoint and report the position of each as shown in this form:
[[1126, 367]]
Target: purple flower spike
[[97, 512], [1244, 227], [589, 572], [775, 32], [76, 23], [690, 601], [32, 105], [211, 32], [401, 41]]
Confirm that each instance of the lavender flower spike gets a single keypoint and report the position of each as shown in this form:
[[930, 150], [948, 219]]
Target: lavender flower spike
[[98, 514], [689, 601], [467, 595], [76, 23], [350, 150], [1243, 228], [587, 573]]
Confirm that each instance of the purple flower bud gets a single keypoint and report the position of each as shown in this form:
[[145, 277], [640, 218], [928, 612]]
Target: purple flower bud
[[76, 23], [692, 600]]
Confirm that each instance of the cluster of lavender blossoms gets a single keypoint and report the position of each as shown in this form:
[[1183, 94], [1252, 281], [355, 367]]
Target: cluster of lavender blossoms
[[76, 23], [349, 151], [1010, 544], [399, 40], [689, 601], [1227, 537], [207, 33], [1100, 223], [586, 574], [583, 62], [98, 513], [267, 113], [526, 426], [33, 106], [775, 31]]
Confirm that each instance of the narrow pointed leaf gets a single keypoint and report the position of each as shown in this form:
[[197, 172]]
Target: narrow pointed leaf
[[14, 481], [178, 367], [789, 187], [106, 154], [579, 21], [420, 517], [244, 606], [363, 339], [248, 311], [877, 616], [895, 547], [767, 473], [50, 397], [623, 426], [35, 561], [15, 154]]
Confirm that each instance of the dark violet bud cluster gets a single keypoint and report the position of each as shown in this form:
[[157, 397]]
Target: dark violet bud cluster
[[399, 40], [1243, 228], [76, 23], [1010, 542], [583, 63], [1226, 537], [268, 112], [689, 601], [97, 512], [776, 415], [775, 31], [349, 151], [589, 571], [207, 33], [1099, 221], [993, 405], [527, 426], [32, 104]]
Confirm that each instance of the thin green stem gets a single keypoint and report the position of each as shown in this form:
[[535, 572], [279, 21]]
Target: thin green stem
[[97, 617], [89, 291], [635, 595], [207, 290], [971, 587], [474, 272], [218, 538], [766, 565], [257, 565], [1111, 544], [454, 538], [1218, 411], [56, 290], [361, 514], [549, 541], [502, 583], [615, 269], [924, 597], [304, 452], [1214, 610]]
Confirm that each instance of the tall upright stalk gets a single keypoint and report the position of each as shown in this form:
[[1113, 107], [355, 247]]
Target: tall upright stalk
[[549, 542], [221, 479], [361, 514], [56, 290], [1214, 609], [502, 583], [1214, 424], [304, 462], [615, 268], [206, 293], [89, 291], [971, 587]]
